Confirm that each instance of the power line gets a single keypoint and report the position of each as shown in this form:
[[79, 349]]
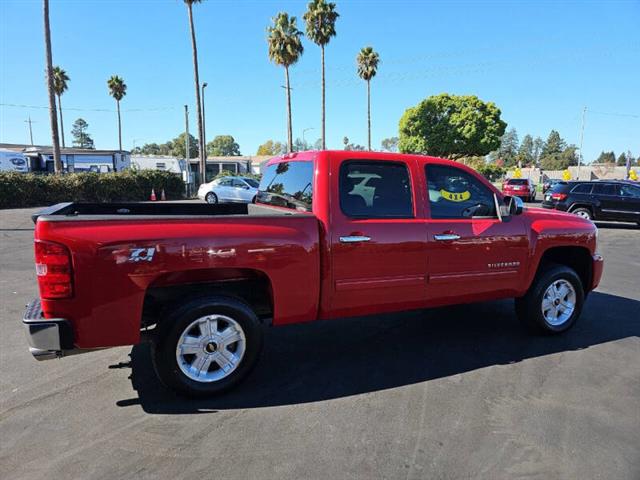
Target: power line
[[76, 109], [614, 114]]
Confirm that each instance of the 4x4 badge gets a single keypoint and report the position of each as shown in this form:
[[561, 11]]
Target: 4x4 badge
[[141, 254]]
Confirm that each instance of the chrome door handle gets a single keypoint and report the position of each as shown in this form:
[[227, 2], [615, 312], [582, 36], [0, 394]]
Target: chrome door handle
[[446, 236], [354, 239]]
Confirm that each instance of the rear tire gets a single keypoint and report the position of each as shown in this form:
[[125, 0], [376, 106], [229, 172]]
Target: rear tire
[[583, 212], [554, 301], [207, 345], [211, 198]]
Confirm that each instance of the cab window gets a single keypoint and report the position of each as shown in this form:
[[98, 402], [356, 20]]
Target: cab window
[[288, 185], [454, 193], [370, 189]]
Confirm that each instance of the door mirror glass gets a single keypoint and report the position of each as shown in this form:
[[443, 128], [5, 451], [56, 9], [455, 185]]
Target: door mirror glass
[[514, 205]]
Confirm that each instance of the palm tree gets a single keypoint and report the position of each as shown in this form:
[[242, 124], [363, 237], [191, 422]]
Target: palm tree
[[57, 164], [285, 48], [201, 147], [117, 89], [60, 79], [368, 61], [320, 18]]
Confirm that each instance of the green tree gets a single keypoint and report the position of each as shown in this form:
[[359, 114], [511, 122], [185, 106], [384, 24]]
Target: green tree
[[389, 144], [285, 49], [178, 146], [81, 139], [53, 120], [196, 80], [451, 126], [508, 150], [554, 145], [223, 146], [60, 85], [271, 148], [622, 160], [606, 157], [320, 19], [117, 89], [301, 145], [538, 145], [525, 152], [352, 146], [556, 154], [368, 61]]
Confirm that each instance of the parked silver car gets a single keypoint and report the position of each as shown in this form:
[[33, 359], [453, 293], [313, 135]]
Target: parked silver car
[[229, 189]]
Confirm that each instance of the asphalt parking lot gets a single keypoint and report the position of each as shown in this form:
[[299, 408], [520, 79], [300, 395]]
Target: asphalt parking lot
[[451, 393]]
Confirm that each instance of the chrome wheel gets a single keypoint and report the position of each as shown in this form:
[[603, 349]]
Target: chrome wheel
[[211, 198], [558, 302], [210, 348], [583, 214]]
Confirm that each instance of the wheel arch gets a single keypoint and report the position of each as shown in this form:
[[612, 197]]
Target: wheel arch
[[251, 286], [575, 257]]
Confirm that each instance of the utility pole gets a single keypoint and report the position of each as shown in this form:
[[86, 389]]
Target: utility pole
[[584, 112], [30, 129], [204, 136]]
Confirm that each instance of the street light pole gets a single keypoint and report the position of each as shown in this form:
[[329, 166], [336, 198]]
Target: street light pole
[[204, 136]]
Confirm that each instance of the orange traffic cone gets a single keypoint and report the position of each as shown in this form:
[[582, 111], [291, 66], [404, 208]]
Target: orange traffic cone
[[153, 195], [163, 197]]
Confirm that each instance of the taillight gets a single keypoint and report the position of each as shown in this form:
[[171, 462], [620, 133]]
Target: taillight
[[559, 196], [53, 267]]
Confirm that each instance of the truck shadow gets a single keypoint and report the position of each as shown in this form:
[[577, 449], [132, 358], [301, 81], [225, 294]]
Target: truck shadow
[[333, 359]]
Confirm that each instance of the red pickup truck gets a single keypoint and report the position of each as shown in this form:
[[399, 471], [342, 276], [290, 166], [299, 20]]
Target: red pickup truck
[[332, 234]]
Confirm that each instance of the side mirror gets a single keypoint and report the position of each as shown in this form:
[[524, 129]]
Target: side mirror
[[514, 205]]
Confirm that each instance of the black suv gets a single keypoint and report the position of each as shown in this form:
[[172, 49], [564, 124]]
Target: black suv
[[600, 200]]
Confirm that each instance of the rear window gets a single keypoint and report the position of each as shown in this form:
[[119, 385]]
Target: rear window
[[518, 181], [287, 184], [560, 187], [582, 188]]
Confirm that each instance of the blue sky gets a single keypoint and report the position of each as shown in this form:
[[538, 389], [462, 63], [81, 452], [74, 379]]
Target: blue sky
[[539, 61]]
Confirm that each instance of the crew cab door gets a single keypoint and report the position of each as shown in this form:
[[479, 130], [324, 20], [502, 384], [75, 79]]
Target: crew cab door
[[377, 241], [471, 253]]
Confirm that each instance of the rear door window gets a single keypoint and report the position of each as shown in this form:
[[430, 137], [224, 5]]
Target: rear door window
[[287, 184], [454, 193], [606, 189], [375, 190]]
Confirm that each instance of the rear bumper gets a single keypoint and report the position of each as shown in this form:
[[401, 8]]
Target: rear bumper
[[598, 266], [48, 338]]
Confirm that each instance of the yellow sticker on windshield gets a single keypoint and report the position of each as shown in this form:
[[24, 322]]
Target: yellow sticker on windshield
[[455, 197]]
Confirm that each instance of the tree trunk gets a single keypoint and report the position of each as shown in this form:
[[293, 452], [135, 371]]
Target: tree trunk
[[369, 114], [289, 127], [119, 126], [53, 120], [324, 145], [201, 152], [61, 124]]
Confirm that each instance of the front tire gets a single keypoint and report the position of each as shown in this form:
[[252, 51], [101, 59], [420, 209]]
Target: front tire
[[554, 301], [207, 346]]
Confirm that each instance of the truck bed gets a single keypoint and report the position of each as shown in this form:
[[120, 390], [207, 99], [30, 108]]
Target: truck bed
[[150, 210]]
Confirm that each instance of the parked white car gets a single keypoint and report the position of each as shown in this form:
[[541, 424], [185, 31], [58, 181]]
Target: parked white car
[[229, 189], [11, 161]]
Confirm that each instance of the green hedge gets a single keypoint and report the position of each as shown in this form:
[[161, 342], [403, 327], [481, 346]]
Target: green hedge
[[32, 190]]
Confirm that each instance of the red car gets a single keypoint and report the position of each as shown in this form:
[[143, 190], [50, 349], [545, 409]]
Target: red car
[[520, 187], [332, 234]]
